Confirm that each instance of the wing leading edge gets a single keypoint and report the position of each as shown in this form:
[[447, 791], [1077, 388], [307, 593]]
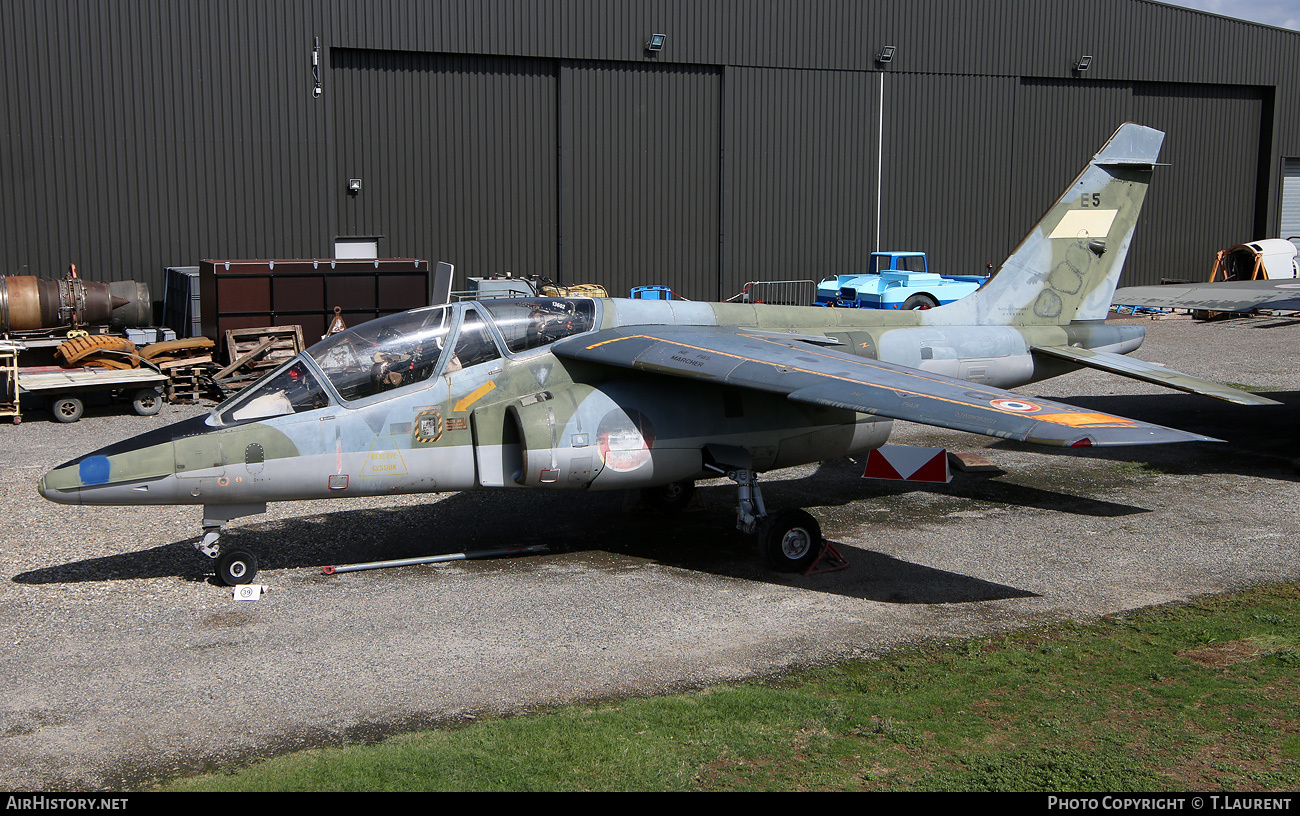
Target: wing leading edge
[[807, 373]]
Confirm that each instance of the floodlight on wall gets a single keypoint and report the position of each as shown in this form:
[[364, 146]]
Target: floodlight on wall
[[315, 67], [1084, 63], [354, 186], [656, 42], [886, 54]]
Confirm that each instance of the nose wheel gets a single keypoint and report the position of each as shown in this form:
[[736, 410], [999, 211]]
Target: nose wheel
[[236, 567]]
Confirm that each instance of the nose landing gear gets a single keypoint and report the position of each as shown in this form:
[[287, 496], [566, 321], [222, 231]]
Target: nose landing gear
[[234, 567]]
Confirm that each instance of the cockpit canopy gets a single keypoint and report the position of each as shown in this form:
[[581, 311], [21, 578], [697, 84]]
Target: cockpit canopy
[[532, 322], [403, 349], [383, 354]]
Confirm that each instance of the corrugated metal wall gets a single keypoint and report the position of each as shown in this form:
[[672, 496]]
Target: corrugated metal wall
[[948, 185], [539, 136], [135, 136]]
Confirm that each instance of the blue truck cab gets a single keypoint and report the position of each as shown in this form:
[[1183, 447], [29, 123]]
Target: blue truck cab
[[896, 280]]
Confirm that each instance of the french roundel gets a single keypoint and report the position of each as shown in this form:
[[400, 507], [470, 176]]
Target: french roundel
[[1017, 406]]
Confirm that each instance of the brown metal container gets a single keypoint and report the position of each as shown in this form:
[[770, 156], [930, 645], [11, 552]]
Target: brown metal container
[[254, 293]]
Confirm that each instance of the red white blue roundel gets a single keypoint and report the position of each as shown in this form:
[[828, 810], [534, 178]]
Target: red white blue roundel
[[1016, 406]]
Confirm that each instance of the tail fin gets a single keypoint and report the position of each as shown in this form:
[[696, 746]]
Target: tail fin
[[1067, 267]]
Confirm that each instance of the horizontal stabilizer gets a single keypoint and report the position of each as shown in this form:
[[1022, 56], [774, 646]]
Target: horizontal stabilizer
[[1152, 373], [820, 376]]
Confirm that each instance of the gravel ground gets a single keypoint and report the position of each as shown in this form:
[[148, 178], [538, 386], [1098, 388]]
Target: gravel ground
[[125, 661]]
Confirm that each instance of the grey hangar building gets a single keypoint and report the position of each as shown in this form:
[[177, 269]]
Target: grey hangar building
[[695, 144]]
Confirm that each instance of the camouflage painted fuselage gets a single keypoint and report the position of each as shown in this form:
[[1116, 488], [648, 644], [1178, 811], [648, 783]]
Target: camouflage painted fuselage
[[535, 419]]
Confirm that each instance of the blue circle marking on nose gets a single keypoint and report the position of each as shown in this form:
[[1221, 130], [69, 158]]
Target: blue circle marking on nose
[[93, 470]]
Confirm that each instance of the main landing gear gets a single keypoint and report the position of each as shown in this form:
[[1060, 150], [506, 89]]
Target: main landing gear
[[234, 567], [790, 540]]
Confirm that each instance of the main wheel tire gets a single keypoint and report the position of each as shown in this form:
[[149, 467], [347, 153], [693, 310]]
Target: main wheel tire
[[791, 540], [147, 402], [920, 302], [67, 409], [236, 567], [671, 498]]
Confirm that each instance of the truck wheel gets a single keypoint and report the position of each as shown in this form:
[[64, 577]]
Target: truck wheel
[[147, 402], [67, 409], [920, 302]]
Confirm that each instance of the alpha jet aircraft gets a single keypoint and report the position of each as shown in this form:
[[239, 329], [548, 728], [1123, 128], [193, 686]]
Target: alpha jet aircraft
[[605, 394]]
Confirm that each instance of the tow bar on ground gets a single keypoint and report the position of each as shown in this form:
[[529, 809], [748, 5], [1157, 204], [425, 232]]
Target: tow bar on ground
[[435, 559]]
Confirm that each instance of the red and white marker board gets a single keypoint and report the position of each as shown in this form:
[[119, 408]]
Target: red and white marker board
[[908, 464]]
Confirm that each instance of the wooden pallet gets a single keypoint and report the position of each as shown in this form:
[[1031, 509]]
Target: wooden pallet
[[253, 352], [186, 380], [187, 364]]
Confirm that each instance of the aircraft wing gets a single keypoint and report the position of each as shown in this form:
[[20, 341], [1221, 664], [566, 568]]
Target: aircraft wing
[[808, 373], [1282, 294], [1153, 373]]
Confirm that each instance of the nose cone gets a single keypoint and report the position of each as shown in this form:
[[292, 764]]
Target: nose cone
[[64, 483], [127, 472]]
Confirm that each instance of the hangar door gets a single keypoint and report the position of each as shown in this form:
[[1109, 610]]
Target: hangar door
[[799, 184], [454, 157], [641, 168], [581, 172], [1291, 201]]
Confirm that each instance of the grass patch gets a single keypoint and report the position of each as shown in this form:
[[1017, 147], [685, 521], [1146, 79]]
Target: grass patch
[[1195, 696]]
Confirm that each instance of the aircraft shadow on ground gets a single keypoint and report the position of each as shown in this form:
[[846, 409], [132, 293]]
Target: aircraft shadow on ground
[[584, 525], [1277, 322], [1261, 442]]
